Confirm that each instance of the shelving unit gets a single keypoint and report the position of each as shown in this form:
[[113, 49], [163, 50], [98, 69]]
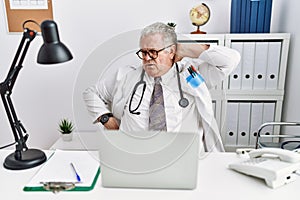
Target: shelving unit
[[254, 92]]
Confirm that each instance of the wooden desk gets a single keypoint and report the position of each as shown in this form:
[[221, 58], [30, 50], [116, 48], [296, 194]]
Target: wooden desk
[[215, 181]]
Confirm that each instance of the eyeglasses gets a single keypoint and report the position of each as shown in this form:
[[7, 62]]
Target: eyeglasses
[[152, 53]]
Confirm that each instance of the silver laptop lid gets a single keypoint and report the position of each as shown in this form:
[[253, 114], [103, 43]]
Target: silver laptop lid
[[149, 159]]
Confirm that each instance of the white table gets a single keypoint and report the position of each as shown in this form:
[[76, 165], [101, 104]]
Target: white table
[[80, 141], [215, 181]]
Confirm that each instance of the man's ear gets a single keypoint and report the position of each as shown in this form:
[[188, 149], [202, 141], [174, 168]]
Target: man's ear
[[172, 51]]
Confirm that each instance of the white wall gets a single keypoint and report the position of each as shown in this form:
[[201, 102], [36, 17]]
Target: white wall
[[289, 23], [43, 95]]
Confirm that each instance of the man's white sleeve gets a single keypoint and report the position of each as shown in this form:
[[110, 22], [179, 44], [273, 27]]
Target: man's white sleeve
[[215, 63], [97, 100]]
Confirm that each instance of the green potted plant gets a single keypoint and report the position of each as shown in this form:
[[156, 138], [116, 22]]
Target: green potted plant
[[66, 128]]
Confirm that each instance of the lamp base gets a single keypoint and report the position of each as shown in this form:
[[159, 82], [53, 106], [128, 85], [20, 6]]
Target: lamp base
[[29, 158]]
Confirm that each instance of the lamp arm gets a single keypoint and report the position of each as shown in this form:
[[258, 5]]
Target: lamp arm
[[13, 65], [6, 90], [15, 124], [28, 36]]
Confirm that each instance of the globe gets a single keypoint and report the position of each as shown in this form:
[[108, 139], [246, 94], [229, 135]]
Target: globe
[[199, 15]]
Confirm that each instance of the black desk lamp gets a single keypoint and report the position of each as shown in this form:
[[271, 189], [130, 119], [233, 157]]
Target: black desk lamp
[[51, 52]]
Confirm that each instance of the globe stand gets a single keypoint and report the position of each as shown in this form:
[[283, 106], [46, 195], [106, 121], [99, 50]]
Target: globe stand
[[198, 30]]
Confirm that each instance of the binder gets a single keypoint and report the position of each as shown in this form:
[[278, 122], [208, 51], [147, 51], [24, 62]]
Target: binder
[[256, 121], [248, 65], [253, 15], [243, 124], [260, 66], [236, 76], [273, 65], [261, 16], [58, 169], [214, 107], [268, 116], [232, 123], [248, 14], [268, 14], [235, 16], [243, 16]]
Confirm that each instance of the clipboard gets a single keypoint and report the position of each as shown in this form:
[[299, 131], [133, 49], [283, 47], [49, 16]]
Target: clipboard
[[57, 174]]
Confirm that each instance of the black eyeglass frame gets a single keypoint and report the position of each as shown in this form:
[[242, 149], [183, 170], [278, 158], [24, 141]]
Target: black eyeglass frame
[[152, 53]]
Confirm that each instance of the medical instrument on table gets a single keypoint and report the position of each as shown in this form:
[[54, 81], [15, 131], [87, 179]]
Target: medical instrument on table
[[183, 102]]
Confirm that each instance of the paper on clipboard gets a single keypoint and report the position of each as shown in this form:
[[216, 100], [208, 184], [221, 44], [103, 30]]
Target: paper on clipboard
[[58, 169]]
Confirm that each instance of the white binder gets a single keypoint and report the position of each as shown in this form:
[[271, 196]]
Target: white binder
[[244, 124], [248, 65], [256, 121], [214, 107], [232, 115], [235, 77], [273, 65], [260, 66], [268, 116]]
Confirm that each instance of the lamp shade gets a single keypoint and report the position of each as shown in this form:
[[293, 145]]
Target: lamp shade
[[52, 51]]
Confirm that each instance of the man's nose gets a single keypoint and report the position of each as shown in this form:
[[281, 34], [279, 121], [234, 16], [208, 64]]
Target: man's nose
[[147, 57]]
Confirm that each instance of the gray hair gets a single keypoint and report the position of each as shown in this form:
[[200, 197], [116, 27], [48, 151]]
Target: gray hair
[[167, 32]]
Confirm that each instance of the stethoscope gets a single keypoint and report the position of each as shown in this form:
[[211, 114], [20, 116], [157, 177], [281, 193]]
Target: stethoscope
[[183, 102]]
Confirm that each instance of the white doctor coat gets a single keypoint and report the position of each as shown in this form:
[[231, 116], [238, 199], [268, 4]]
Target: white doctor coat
[[214, 65]]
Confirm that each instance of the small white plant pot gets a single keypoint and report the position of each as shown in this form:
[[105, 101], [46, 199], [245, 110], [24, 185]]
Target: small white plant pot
[[67, 137]]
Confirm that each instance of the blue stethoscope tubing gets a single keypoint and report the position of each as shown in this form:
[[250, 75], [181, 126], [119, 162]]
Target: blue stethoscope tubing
[[183, 102]]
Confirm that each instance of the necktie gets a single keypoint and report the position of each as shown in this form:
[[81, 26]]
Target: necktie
[[157, 116]]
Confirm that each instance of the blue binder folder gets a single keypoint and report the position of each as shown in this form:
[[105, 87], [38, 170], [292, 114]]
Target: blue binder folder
[[243, 16], [261, 16], [253, 15], [247, 17], [268, 13], [235, 17], [250, 16]]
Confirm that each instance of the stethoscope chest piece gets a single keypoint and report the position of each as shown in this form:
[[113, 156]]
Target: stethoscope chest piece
[[183, 102]]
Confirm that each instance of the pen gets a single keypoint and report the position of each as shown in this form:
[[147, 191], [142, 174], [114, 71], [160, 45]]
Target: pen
[[77, 175]]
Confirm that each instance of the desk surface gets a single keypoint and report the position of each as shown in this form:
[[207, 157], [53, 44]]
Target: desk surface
[[215, 181], [80, 141]]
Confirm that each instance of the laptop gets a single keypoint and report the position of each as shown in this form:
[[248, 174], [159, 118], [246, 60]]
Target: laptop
[[145, 159]]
